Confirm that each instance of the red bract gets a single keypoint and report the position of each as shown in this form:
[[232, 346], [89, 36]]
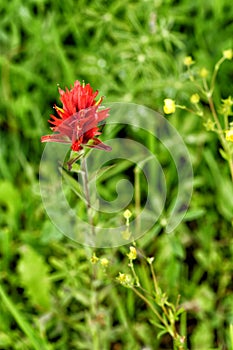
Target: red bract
[[78, 119]]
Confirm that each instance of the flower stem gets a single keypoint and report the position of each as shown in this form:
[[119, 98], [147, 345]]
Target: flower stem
[[87, 193], [216, 69], [137, 197], [150, 305], [156, 287], [220, 131], [209, 93]]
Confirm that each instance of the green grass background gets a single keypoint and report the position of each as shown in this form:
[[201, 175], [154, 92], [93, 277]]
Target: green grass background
[[131, 51]]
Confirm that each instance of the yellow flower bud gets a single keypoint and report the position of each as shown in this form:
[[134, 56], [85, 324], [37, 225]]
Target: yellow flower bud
[[126, 234], [188, 61], [169, 106], [229, 135], [203, 72], [124, 279], [94, 259], [127, 214], [132, 254], [226, 107], [104, 262], [209, 125], [195, 98], [228, 54]]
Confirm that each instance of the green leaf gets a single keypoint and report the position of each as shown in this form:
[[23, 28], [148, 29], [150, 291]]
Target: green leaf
[[34, 277], [36, 341], [224, 154], [180, 311], [100, 172], [10, 200], [156, 324], [159, 335], [5, 340], [224, 188], [194, 214], [73, 184]]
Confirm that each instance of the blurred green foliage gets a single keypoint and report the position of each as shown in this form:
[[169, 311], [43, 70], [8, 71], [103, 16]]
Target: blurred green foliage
[[132, 51]]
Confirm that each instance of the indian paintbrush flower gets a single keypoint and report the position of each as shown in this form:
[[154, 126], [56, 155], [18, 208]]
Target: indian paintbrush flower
[[78, 119]]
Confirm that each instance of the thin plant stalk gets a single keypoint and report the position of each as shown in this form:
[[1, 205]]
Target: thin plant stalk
[[224, 144], [218, 125], [87, 194], [137, 197], [153, 309]]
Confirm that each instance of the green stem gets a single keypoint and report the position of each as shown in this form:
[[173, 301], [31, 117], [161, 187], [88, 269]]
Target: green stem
[[230, 162], [156, 286], [231, 336], [96, 340], [36, 342], [214, 114], [137, 197], [150, 306], [209, 93], [216, 69], [173, 333], [134, 273], [226, 126], [87, 194], [220, 131]]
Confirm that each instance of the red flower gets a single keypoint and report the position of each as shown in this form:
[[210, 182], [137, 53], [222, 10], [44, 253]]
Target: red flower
[[77, 121]]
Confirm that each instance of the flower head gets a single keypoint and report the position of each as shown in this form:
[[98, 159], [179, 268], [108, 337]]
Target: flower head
[[229, 135], [226, 107], [169, 106], [104, 262], [188, 61], [203, 72], [124, 279], [78, 119], [94, 259], [228, 54], [127, 214], [132, 255], [209, 125], [195, 98]]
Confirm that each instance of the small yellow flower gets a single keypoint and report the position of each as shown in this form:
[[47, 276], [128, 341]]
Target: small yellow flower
[[188, 61], [229, 135], [195, 98], [209, 125], [104, 262], [226, 107], [132, 254], [228, 54], [94, 259], [203, 72], [124, 279], [127, 214], [169, 106], [126, 234]]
